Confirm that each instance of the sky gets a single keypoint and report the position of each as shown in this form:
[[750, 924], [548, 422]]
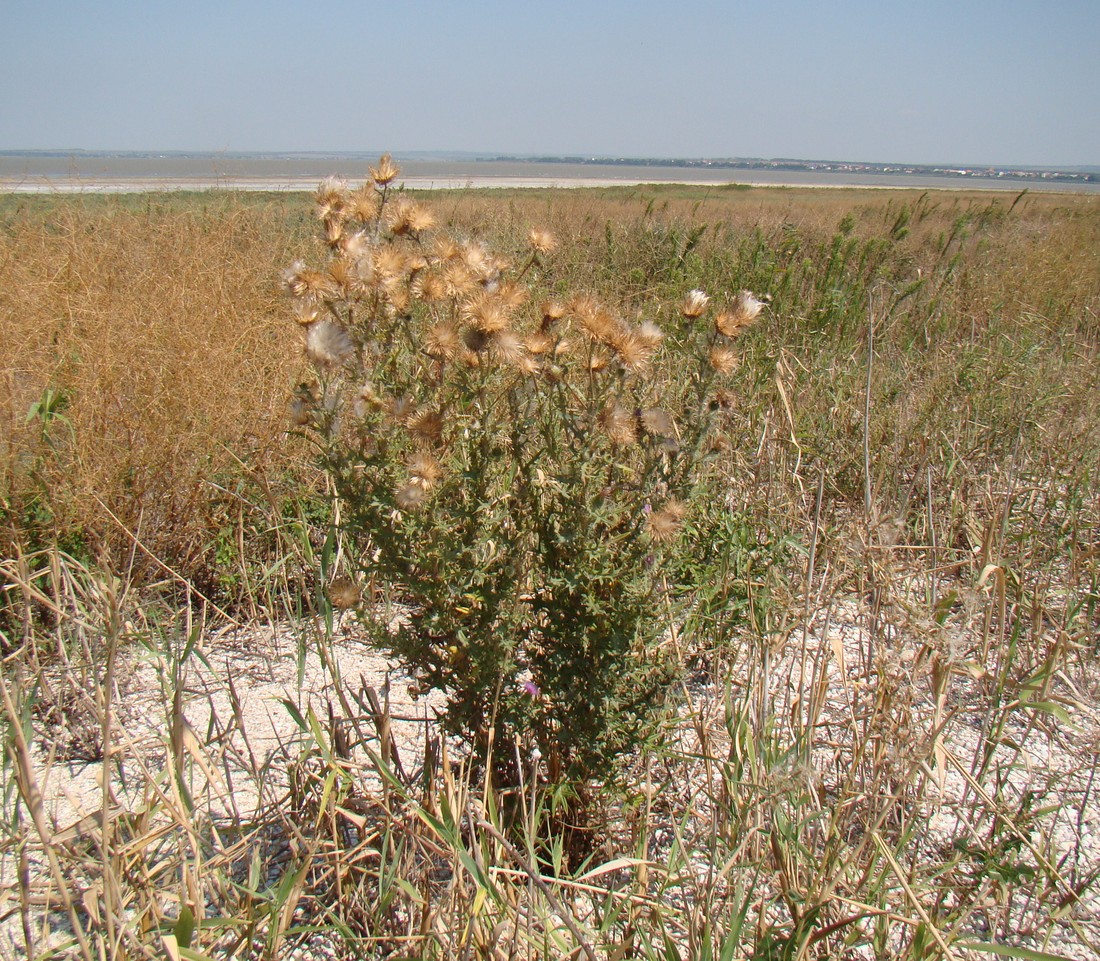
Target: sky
[[1005, 82]]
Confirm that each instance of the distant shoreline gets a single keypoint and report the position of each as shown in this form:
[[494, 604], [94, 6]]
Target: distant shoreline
[[38, 174]]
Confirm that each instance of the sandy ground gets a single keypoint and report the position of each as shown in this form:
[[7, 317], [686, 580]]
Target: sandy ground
[[239, 688]]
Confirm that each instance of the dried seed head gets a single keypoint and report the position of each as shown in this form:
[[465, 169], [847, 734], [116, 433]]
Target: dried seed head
[[542, 241], [399, 299], [429, 287], [404, 216], [539, 343], [302, 281], [446, 248], [363, 205], [366, 398], [442, 340], [331, 199], [487, 312], [479, 262], [529, 365], [513, 295], [620, 425], [301, 408], [426, 425], [658, 423], [410, 496], [457, 280], [334, 230], [724, 399], [355, 245], [598, 360], [742, 312], [634, 353], [475, 341], [306, 311], [344, 594], [386, 172], [401, 410], [507, 347], [552, 311], [328, 344], [425, 468], [342, 274], [694, 303], [600, 324], [390, 264], [650, 334], [723, 360], [663, 525]]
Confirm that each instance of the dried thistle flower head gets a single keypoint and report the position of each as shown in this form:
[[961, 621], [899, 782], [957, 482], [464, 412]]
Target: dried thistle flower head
[[390, 264], [664, 525], [478, 260], [328, 344], [552, 312], [619, 424], [303, 404], [445, 248], [723, 360], [649, 334], [331, 199], [600, 324], [365, 399], [507, 347], [539, 342], [633, 351], [658, 423], [542, 241], [363, 204], [694, 304], [742, 312], [401, 409], [442, 340], [386, 172], [410, 496], [512, 295], [429, 286], [306, 311], [344, 593], [343, 275], [408, 217], [334, 230], [425, 468], [426, 425], [487, 312], [302, 281], [356, 245]]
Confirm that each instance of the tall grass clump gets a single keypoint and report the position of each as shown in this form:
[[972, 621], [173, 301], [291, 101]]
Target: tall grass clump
[[517, 464], [136, 340]]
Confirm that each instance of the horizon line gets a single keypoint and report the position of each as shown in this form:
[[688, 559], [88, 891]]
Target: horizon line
[[488, 156]]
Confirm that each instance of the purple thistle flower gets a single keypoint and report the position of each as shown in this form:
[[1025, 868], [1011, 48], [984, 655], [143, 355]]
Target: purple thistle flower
[[530, 687]]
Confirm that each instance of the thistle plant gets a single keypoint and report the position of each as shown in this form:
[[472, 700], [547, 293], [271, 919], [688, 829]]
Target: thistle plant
[[518, 468]]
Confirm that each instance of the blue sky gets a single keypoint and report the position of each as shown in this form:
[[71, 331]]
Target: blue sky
[[1006, 82]]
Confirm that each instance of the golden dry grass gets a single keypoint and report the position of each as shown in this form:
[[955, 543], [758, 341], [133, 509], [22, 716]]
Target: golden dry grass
[[159, 323]]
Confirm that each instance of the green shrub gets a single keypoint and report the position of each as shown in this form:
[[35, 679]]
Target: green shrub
[[519, 471]]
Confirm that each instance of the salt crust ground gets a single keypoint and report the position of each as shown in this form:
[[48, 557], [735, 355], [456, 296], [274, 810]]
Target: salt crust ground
[[270, 667]]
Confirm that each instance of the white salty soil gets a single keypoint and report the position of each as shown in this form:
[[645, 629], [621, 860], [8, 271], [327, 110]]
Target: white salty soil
[[234, 723]]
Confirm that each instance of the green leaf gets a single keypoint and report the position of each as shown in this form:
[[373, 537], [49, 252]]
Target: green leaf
[[185, 927]]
